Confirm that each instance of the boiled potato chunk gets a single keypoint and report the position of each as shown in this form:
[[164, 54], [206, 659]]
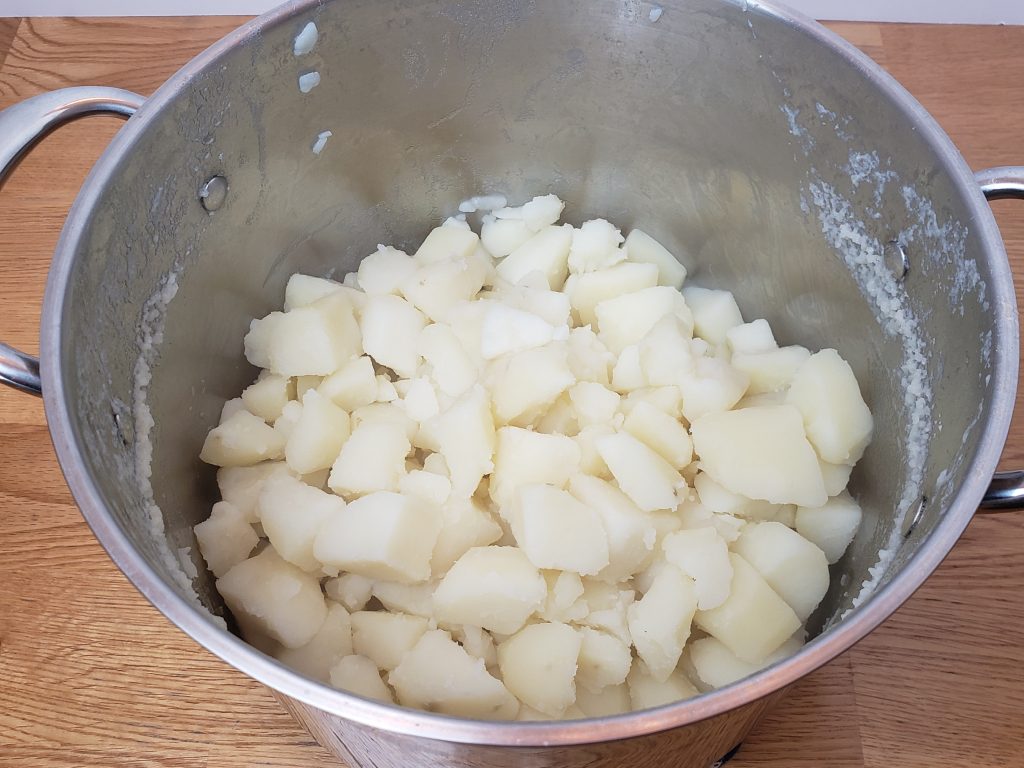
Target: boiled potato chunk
[[556, 531], [382, 535], [241, 441], [659, 431], [272, 597], [589, 289], [603, 660], [303, 290], [384, 270], [465, 524], [611, 700], [292, 513], [703, 555], [465, 437], [644, 249], [626, 319], [384, 637], [547, 253], [446, 243], [713, 385], [524, 384], [316, 439], [450, 367], [770, 371], [659, 622], [371, 459], [751, 338], [593, 403], [313, 340], [835, 476], [563, 603], [647, 691], [414, 599], [649, 481], [522, 456], [438, 675], [332, 641], [837, 420], [391, 327], [595, 245], [716, 666], [538, 665], [351, 386], [226, 538], [502, 236], [351, 590], [266, 396], [495, 588], [630, 532], [754, 621], [714, 313], [794, 567], [831, 527], [241, 486], [506, 330], [359, 675], [435, 288], [761, 453]]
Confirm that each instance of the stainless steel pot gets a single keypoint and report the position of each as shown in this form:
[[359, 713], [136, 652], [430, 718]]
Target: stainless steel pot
[[762, 147]]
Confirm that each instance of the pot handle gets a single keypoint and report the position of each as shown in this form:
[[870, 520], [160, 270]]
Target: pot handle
[[21, 127], [1006, 491]]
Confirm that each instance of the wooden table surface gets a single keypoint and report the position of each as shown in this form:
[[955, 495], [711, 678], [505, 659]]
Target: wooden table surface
[[91, 674]]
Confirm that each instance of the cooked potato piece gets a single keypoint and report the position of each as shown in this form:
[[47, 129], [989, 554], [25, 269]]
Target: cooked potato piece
[[751, 338], [435, 288], [478, 643], [291, 513], [649, 481], [540, 212], [831, 527], [565, 588], [667, 352], [547, 253], [371, 459], [384, 270], [465, 524], [630, 532], [712, 386], [438, 675], [351, 386], [588, 357], [446, 243], [414, 599], [761, 453], [241, 486], [593, 403], [241, 441], [465, 437], [382, 535], [610, 700], [351, 590], [754, 621], [628, 373], [524, 384], [604, 660], [303, 290], [716, 498], [272, 597], [589, 289], [502, 236], [703, 555], [551, 306], [716, 666], [558, 419], [316, 439], [660, 432], [772, 370], [495, 588], [835, 415], [425, 485], [226, 538], [266, 396], [626, 319], [642, 248], [506, 330], [313, 340], [329, 645], [595, 245], [659, 622], [557, 531], [391, 327], [384, 412], [538, 665], [522, 456], [359, 675], [714, 313], [666, 399], [385, 637], [835, 477], [591, 462], [647, 692]]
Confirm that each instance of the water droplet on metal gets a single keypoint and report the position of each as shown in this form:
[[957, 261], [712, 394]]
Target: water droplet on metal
[[896, 259]]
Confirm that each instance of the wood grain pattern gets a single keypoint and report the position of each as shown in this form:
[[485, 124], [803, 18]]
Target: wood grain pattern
[[92, 675]]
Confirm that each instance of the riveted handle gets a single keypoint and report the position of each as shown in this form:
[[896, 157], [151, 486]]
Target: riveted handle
[[21, 127], [1006, 491]]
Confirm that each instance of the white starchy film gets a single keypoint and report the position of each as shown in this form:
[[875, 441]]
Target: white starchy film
[[308, 81], [321, 141], [305, 41]]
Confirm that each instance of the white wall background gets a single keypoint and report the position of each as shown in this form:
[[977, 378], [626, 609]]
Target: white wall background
[[933, 11]]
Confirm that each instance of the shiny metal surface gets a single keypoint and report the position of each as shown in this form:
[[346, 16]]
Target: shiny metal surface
[[726, 129], [21, 127], [1002, 183], [1005, 493]]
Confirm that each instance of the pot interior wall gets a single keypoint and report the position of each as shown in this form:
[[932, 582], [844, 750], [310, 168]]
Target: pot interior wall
[[719, 129]]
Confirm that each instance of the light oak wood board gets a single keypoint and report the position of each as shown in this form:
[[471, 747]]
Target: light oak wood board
[[92, 675]]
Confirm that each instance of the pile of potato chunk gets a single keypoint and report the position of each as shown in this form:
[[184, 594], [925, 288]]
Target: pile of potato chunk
[[528, 475]]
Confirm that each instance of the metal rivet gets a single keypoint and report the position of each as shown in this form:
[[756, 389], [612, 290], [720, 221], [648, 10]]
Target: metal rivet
[[918, 514], [213, 193], [896, 259]]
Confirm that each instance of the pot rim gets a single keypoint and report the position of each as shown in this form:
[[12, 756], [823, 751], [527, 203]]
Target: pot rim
[[412, 722]]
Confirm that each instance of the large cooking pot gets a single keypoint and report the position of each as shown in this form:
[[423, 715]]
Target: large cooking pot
[[778, 160]]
